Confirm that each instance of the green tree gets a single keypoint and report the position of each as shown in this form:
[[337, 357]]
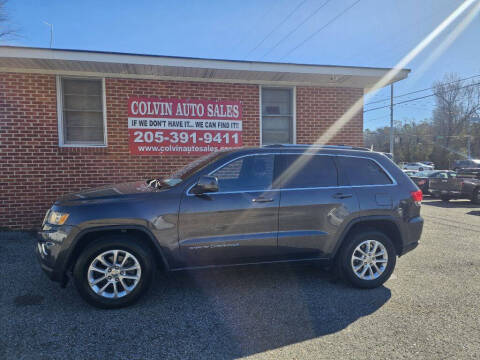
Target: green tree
[[443, 138], [456, 103]]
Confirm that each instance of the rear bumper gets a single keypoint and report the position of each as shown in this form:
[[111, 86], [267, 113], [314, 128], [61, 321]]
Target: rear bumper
[[413, 233], [408, 248], [449, 193]]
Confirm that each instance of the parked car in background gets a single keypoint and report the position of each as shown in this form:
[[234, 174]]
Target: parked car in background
[[422, 178], [343, 206], [466, 164], [417, 166], [429, 163], [410, 172], [465, 184]]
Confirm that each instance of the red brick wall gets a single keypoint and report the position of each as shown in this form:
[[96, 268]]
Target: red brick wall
[[319, 108], [34, 170]]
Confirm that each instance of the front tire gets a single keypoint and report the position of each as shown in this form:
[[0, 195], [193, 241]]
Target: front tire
[[113, 272], [367, 259]]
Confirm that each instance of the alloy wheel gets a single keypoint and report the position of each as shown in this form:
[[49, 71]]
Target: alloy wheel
[[114, 274], [369, 260]]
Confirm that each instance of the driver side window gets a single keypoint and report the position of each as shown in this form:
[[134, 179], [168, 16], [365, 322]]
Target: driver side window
[[248, 173]]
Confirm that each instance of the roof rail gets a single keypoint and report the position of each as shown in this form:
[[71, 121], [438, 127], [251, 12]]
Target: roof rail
[[318, 146]]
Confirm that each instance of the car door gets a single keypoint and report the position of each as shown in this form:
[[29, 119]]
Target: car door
[[453, 184], [447, 183], [371, 183], [236, 224], [441, 181], [313, 208]]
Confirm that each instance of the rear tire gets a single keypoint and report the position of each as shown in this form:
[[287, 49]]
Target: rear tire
[[476, 196], [120, 265], [379, 267]]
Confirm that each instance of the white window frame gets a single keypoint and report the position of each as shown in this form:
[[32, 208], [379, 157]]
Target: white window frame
[[294, 109], [61, 140]]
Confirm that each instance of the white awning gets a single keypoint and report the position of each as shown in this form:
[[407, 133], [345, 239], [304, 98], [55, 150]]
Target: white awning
[[110, 64]]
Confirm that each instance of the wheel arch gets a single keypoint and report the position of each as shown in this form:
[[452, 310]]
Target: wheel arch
[[145, 236], [385, 224]]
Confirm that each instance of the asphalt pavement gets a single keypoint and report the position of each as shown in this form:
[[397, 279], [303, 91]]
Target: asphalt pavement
[[429, 309]]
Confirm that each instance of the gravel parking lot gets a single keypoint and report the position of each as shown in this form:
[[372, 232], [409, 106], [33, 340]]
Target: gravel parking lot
[[430, 308]]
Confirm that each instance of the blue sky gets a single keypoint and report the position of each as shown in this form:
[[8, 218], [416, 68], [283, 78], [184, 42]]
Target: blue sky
[[372, 33]]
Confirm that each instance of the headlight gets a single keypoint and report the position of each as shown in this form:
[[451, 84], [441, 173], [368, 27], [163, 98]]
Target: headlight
[[56, 218]]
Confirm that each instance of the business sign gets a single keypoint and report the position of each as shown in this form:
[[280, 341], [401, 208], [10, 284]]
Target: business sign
[[181, 126]]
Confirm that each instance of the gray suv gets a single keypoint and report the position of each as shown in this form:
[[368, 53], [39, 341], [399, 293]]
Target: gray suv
[[341, 206]]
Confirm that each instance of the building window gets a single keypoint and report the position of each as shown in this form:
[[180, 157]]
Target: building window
[[81, 112], [277, 116]]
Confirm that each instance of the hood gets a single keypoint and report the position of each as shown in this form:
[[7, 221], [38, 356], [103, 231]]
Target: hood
[[109, 192]]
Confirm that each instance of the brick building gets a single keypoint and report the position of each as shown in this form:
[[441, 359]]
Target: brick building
[[70, 120]]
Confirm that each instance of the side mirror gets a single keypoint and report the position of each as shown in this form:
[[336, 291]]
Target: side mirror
[[205, 184]]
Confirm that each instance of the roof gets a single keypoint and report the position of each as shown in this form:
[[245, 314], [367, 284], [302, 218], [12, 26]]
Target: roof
[[333, 150], [313, 146], [114, 64]]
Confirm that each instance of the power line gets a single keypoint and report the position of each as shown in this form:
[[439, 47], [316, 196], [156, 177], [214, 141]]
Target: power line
[[374, 119], [415, 99], [276, 27], [417, 91], [322, 28], [253, 27], [296, 28]]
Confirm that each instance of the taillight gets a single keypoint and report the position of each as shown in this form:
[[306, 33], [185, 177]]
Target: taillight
[[417, 196]]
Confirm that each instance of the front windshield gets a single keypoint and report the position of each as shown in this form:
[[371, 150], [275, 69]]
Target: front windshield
[[189, 169]]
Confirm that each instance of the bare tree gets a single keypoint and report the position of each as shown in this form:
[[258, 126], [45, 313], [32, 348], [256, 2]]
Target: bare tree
[[6, 29], [457, 103]]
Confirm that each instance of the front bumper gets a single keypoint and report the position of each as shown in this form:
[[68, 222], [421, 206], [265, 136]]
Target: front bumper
[[52, 242]]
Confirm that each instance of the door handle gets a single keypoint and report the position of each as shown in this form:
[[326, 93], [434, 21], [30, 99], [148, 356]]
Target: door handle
[[341, 196], [262, 200]]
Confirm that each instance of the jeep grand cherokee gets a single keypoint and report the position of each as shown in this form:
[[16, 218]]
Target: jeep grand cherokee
[[343, 206]]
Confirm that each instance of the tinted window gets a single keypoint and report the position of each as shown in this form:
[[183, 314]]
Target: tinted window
[[303, 171], [197, 165], [246, 173], [362, 171]]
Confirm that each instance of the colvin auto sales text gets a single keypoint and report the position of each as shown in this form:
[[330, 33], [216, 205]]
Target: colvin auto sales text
[[184, 109]]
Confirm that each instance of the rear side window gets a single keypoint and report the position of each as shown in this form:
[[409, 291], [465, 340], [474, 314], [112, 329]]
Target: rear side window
[[362, 171], [305, 171]]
